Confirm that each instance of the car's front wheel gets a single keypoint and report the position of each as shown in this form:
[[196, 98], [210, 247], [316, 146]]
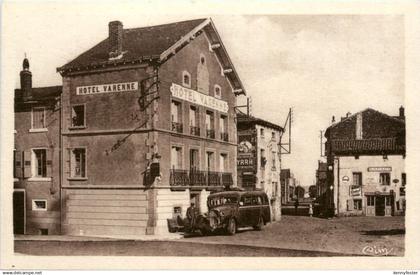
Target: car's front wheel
[[231, 227]]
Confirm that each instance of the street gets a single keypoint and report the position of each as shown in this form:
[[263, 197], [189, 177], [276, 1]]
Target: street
[[293, 236]]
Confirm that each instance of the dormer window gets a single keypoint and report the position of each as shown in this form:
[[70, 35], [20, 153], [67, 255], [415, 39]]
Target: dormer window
[[186, 79], [217, 91], [202, 60]]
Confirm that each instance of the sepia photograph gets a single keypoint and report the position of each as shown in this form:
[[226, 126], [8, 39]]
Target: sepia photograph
[[204, 134]]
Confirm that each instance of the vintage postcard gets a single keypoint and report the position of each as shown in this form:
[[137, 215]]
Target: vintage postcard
[[182, 131]]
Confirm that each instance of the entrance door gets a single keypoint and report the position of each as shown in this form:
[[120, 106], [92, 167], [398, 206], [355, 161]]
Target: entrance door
[[380, 206], [19, 212]]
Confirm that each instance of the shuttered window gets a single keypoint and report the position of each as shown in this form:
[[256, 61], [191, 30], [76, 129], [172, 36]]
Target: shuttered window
[[78, 163], [38, 118], [39, 162]]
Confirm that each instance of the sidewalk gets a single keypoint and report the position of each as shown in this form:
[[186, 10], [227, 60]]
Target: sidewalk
[[100, 238]]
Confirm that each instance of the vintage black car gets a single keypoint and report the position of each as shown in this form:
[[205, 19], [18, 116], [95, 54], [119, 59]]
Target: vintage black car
[[230, 210]]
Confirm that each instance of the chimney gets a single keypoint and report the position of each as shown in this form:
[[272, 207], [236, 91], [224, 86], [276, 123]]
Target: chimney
[[115, 39], [26, 80], [333, 119], [402, 115]]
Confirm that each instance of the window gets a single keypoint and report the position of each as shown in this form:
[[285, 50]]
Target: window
[[78, 163], [262, 132], [78, 116], [388, 201], [370, 200], [357, 204], [273, 135], [384, 179], [210, 161], [39, 160], [176, 157], [223, 128], [186, 79], [273, 160], [357, 178], [202, 60], [403, 179], [194, 159], [263, 159], [223, 162], [38, 118], [217, 91], [210, 124], [176, 116], [39, 205], [194, 121], [177, 212]]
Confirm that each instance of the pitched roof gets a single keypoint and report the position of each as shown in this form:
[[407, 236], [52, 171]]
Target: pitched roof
[[243, 118], [147, 42], [154, 43], [41, 93]]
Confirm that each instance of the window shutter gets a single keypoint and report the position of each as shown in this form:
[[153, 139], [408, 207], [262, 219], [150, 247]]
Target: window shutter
[[49, 163], [18, 164], [350, 204], [27, 164]]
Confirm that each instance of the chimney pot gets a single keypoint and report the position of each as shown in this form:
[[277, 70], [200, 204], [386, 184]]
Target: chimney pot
[[26, 80], [402, 111], [115, 37]]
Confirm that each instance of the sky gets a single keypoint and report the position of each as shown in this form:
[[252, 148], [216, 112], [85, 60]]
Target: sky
[[319, 65]]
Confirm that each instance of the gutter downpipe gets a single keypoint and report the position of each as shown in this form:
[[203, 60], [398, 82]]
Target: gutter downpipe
[[338, 186]]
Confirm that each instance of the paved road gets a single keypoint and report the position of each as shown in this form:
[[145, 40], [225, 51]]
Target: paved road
[[292, 236], [157, 248]]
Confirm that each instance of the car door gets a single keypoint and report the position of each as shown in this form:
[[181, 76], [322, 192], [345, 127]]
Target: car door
[[245, 210]]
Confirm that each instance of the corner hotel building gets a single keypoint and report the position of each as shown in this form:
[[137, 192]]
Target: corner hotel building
[[141, 97]]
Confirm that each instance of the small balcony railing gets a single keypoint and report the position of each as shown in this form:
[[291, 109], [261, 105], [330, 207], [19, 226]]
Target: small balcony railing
[[195, 177], [224, 136], [195, 131], [177, 127], [210, 133]]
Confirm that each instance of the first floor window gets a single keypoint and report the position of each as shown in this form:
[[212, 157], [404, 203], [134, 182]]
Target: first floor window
[[223, 162], [357, 204], [384, 179], [357, 179], [38, 118], [39, 205], [39, 160], [78, 116], [78, 163], [176, 157]]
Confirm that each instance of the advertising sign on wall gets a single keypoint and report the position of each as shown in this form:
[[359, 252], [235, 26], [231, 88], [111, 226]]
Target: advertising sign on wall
[[380, 169], [107, 88], [247, 155]]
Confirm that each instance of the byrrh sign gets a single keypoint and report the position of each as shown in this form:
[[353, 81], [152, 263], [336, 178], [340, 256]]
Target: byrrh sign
[[198, 98], [107, 88]]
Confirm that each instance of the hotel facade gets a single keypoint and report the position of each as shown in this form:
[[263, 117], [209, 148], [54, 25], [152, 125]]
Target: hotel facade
[[145, 127]]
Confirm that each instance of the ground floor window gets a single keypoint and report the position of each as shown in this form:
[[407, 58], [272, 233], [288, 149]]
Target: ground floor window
[[39, 205], [388, 201], [357, 204], [370, 200]]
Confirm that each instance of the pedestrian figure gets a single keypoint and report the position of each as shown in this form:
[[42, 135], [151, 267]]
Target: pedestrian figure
[[191, 216], [311, 211], [296, 206]]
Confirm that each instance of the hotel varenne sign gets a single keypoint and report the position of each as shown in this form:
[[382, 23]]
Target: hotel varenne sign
[[198, 98], [107, 88]]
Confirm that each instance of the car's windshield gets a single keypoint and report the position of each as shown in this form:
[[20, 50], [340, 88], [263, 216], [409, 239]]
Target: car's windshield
[[216, 201]]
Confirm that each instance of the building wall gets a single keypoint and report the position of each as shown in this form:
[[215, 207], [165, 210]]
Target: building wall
[[35, 188], [370, 180]]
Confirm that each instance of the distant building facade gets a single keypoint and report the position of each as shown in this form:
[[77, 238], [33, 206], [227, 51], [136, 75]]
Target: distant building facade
[[36, 167], [365, 159], [259, 161]]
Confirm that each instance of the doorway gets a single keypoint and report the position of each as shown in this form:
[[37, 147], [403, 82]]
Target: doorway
[[19, 212], [380, 206]]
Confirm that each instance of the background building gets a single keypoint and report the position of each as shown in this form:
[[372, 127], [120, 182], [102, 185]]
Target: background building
[[259, 161], [365, 158], [36, 170]]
